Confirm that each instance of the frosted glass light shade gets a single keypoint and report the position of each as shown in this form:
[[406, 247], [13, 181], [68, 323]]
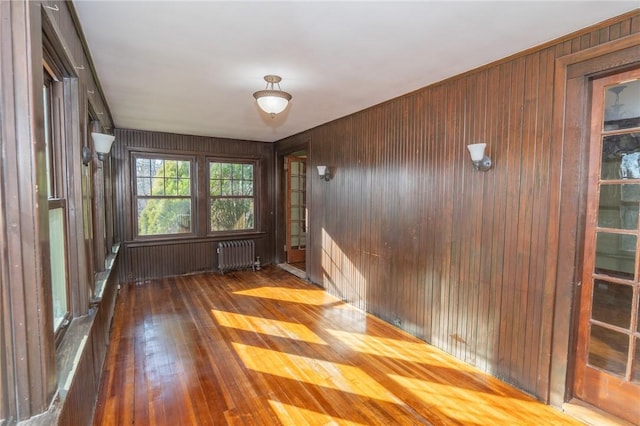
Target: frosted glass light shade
[[102, 142], [272, 101], [476, 151], [322, 170]]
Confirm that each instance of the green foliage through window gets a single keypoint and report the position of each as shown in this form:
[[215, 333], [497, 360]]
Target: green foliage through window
[[231, 195], [163, 190]]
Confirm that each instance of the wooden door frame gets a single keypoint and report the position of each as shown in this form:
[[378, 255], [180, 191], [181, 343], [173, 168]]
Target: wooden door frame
[[281, 197], [297, 253], [567, 207]]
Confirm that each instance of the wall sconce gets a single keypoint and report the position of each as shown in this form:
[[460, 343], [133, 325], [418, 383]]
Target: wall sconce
[[86, 155], [480, 161], [324, 173], [102, 144]]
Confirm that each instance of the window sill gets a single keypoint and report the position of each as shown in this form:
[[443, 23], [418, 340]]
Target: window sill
[[101, 278], [193, 239], [75, 339]]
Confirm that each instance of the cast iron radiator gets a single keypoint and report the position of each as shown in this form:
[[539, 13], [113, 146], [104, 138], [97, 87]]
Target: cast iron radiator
[[236, 254]]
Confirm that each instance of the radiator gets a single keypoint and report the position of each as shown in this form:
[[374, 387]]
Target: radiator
[[236, 254]]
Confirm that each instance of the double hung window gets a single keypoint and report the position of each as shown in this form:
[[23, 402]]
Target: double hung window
[[231, 196], [51, 92], [164, 200], [165, 195]]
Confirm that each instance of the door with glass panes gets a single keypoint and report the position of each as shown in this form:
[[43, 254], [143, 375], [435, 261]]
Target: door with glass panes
[[296, 168], [608, 352]]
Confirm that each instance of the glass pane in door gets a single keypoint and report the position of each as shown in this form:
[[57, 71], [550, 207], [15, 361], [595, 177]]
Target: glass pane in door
[[622, 106], [612, 303], [615, 254], [620, 156], [608, 350], [618, 207]]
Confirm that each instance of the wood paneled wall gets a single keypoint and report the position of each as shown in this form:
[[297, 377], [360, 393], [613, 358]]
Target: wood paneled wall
[[409, 231], [29, 376], [158, 258]]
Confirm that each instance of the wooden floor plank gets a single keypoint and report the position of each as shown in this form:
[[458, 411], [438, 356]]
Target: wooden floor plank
[[265, 348]]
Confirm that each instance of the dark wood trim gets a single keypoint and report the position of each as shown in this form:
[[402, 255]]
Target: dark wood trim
[[85, 47], [150, 257], [565, 239], [28, 337], [480, 264], [280, 184], [193, 239]]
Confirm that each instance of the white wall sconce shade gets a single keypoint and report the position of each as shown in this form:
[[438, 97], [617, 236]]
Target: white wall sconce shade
[[271, 100], [323, 171], [102, 143], [480, 161]]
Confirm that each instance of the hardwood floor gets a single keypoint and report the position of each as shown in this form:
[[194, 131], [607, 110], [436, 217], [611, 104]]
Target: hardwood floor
[[265, 348]]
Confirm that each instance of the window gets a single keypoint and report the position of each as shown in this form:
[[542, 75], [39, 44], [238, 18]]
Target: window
[[51, 92], [163, 195], [231, 196]]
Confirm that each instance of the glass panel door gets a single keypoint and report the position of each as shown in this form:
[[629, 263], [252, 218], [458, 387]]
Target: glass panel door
[[607, 371], [296, 209]]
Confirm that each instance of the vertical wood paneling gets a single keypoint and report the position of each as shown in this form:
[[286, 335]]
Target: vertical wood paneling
[[29, 375], [453, 255], [156, 258]]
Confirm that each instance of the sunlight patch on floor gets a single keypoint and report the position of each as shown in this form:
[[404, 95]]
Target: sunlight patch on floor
[[276, 328], [468, 406], [295, 295], [317, 372], [397, 349], [290, 415]]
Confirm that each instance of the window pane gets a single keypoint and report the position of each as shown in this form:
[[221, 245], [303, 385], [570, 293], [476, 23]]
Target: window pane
[[57, 247], [184, 169], [226, 170], [612, 303], [621, 156], [232, 186], [615, 254], [232, 214], [608, 350], [157, 168], [226, 188], [164, 216], [171, 169], [622, 106], [215, 187], [214, 171], [143, 167], [619, 206], [248, 172], [184, 187], [247, 188], [143, 186], [47, 138], [237, 171], [157, 187], [236, 187]]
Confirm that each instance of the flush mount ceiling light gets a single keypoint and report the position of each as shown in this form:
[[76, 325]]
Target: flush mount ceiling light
[[271, 100]]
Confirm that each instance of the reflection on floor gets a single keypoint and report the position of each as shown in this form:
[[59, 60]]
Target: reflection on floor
[[266, 348]]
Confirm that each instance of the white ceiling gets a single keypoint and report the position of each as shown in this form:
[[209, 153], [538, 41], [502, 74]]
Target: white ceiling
[[191, 67]]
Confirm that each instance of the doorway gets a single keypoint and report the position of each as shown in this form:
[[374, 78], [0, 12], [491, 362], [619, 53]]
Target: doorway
[[296, 214], [607, 369]]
